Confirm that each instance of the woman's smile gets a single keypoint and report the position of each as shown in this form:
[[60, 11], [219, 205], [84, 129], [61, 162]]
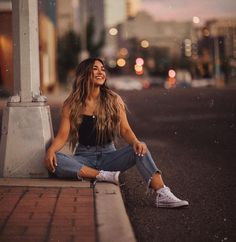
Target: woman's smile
[[99, 73]]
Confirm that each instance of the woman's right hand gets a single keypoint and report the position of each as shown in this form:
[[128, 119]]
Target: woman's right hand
[[50, 160]]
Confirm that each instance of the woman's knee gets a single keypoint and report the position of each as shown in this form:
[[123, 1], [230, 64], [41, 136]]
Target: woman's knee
[[60, 156], [63, 159]]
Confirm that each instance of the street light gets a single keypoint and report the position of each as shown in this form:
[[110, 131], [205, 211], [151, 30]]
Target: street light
[[144, 43], [121, 62], [113, 31], [196, 20], [140, 61]]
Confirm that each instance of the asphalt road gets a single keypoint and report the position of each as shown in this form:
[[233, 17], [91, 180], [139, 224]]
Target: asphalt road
[[191, 134]]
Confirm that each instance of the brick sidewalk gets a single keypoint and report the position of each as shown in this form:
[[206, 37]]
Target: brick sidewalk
[[36, 214]]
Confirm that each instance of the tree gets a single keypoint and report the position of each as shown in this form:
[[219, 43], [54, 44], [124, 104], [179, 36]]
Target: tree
[[67, 59], [92, 47]]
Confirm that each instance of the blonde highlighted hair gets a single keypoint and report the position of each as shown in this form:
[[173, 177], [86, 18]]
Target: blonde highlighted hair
[[107, 110]]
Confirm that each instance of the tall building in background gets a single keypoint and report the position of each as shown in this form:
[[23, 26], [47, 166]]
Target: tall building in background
[[169, 35], [93, 10], [133, 7], [223, 33], [47, 44], [227, 29], [115, 12], [67, 14]]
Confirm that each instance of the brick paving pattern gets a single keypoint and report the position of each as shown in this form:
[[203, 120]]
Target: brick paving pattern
[[34, 214]]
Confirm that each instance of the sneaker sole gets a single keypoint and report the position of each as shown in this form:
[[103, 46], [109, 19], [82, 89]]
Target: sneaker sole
[[117, 182], [173, 205]]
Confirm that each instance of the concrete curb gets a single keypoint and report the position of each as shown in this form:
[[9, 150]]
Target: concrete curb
[[112, 221], [30, 182]]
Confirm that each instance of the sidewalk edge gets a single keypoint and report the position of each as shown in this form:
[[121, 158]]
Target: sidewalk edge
[[112, 220], [44, 182]]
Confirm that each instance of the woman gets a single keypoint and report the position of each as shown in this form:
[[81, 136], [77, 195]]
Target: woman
[[92, 117]]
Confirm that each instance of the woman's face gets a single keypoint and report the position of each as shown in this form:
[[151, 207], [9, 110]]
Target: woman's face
[[98, 73]]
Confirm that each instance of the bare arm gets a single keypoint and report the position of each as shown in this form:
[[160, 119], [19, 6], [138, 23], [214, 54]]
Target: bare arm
[[59, 141], [63, 132], [127, 133]]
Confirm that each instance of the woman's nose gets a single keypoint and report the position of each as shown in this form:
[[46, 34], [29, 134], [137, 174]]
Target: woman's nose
[[99, 71]]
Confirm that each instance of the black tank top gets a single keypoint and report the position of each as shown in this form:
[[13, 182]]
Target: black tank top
[[88, 133]]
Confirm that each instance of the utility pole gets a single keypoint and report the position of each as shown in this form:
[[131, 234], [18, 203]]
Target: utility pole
[[217, 71], [84, 21], [26, 124]]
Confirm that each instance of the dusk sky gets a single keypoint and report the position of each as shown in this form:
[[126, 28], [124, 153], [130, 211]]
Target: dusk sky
[[186, 9]]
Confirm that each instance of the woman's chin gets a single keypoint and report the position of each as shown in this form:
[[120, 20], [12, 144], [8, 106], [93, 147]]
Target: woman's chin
[[99, 83]]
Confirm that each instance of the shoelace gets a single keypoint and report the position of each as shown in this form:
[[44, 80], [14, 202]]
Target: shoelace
[[157, 199], [149, 190], [168, 194]]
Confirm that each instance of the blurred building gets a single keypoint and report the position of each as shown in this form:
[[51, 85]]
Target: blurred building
[[218, 45], [85, 18], [67, 14], [6, 61], [93, 10], [47, 45], [225, 28], [160, 34], [132, 8], [153, 38], [115, 12], [112, 19]]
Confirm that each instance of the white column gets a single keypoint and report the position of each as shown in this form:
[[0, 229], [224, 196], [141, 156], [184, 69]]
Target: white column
[[26, 124], [25, 50]]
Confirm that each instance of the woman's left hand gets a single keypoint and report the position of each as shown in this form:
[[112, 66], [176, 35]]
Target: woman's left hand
[[140, 148]]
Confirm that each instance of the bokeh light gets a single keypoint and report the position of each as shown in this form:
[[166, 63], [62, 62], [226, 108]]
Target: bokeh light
[[144, 43], [121, 62], [113, 31], [123, 52], [138, 68], [139, 61], [171, 73], [112, 63], [196, 20]]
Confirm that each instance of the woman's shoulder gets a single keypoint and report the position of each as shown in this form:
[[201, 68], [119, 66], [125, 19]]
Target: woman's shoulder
[[115, 94], [66, 110], [119, 99]]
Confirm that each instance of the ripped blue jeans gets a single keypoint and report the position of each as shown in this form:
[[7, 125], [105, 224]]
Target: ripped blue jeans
[[106, 158]]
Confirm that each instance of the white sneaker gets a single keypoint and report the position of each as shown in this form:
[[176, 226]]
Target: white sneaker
[[166, 199], [109, 176]]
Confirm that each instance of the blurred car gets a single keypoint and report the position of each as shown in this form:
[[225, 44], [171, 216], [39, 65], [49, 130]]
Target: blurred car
[[180, 78], [156, 81], [207, 82], [125, 83]]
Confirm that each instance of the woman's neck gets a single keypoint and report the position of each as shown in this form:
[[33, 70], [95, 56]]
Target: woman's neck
[[94, 94]]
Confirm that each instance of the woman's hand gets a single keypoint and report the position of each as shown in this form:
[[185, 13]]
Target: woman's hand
[[140, 148], [50, 160]]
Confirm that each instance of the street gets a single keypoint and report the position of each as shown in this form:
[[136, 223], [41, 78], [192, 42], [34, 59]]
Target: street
[[191, 134]]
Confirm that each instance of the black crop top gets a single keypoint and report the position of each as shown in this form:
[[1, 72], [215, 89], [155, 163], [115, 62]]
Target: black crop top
[[87, 132]]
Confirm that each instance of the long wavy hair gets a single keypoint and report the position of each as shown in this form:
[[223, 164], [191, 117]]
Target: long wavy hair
[[107, 110]]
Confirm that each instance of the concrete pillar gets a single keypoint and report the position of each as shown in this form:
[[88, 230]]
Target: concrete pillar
[[26, 125]]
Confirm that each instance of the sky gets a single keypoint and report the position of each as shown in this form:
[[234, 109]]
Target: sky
[[185, 9]]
